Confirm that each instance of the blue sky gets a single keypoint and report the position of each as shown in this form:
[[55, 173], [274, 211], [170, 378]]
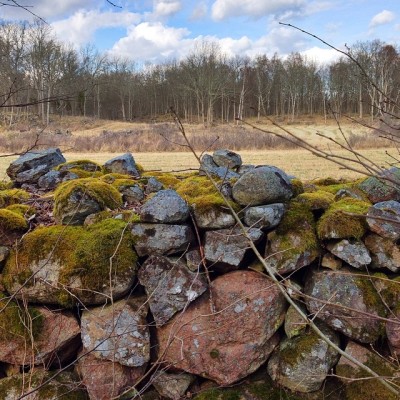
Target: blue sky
[[159, 30]]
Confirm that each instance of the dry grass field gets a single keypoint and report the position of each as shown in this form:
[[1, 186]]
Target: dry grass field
[[299, 163]]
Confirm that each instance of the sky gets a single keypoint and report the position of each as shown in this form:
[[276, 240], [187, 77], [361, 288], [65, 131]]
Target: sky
[[155, 31]]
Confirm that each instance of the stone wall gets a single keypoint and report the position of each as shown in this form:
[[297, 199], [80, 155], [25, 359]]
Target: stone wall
[[122, 283]]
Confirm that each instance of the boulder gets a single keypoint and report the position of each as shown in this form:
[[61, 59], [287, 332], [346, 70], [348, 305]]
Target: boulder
[[384, 219], [208, 164], [123, 164], [81, 165], [29, 167], [58, 385], [262, 185], [384, 253], [118, 332], [132, 194], [227, 158], [379, 189], [12, 227], [153, 185], [162, 239], [226, 249], [170, 286], [359, 385], [165, 207], [353, 253], [53, 178], [171, 386], [347, 302], [302, 363], [214, 217], [55, 335], [65, 265], [105, 380], [264, 217], [233, 342]]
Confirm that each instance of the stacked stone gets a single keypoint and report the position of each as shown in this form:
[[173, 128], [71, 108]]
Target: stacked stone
[[177, 299]]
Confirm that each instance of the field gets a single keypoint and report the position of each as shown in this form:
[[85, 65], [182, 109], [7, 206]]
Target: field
[[157, 146]]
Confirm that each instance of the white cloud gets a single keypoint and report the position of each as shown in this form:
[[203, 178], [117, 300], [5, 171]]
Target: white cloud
[[199, 11], [81, 26], [47, 9], [382, 18], [165, 8], [222, 9], [321, 56], [152, 42]]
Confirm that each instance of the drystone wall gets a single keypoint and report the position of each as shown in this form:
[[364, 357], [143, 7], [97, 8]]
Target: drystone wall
[[122, 283]]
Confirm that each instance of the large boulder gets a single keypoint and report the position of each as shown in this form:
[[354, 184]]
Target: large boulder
[[118, 332], [227, 158], [262, 185], [29, 167], [42, 385], [162, 239], [227, 336], [165, 207], [105, 380], [123, 164], [226, 249], [207, 164], [347, 302], [36, 335], [170, 286], [302, 363], [65, 265], [384, 219]]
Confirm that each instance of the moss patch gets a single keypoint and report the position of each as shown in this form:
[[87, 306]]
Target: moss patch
[[12, 196], [169, 181], [337, 223], [17, 322], [22, 209], [82, 252], [12, 221], [297, 187], [317, 200], [84, 165]]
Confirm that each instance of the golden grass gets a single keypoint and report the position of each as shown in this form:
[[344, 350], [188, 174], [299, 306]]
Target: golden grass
[[299, 163]]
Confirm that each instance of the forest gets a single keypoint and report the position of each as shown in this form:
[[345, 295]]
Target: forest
[[43, 76]]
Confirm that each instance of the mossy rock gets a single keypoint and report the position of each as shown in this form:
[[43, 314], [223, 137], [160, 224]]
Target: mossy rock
[[4, 185], [199, 191], [21, 209], [344, 220], [74, 260], [83, 165], [18, 322], [12, 196], [170, 181], [110, 178], [75, 200], [12, 221], [297, 186], [318, 200], [63, 386]]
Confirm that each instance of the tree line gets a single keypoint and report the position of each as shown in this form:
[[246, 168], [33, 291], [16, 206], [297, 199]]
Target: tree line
[[41, 75]]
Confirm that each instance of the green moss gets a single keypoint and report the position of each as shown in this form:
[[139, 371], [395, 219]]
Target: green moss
[[140, 168], [328, 181], [337, 223], [120, 184], [104, 194], [219, 394], [169, 181], [10, 220], [84, 165], [296, 216], [360, 388], [5, 185], [199, 191], [110, 178], [370, 295], [82, 252], [297, 187], [317, 200], [12, 196], [21, 209], [18, 322], [85, 174]]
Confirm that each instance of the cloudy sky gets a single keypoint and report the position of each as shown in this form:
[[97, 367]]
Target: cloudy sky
[[158, 30]]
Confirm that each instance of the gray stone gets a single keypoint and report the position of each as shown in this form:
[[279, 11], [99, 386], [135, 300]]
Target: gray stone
[[118, 332], [53, 178], [213, 218], [235, 340], [193, 260], [227, 158], [343, 193], [161, 239], [170, 286], [153, 185], [303, 362], [245, 168], [353, 253], [263, 185], [207, 164], [171, 386], [385, 254], [29, 167], [225, 249], [167, 207], [294, 323], [384, 219], [132, 194], [264, 217], [379, 189], [347, 302], [62, 386], [123, 164]]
